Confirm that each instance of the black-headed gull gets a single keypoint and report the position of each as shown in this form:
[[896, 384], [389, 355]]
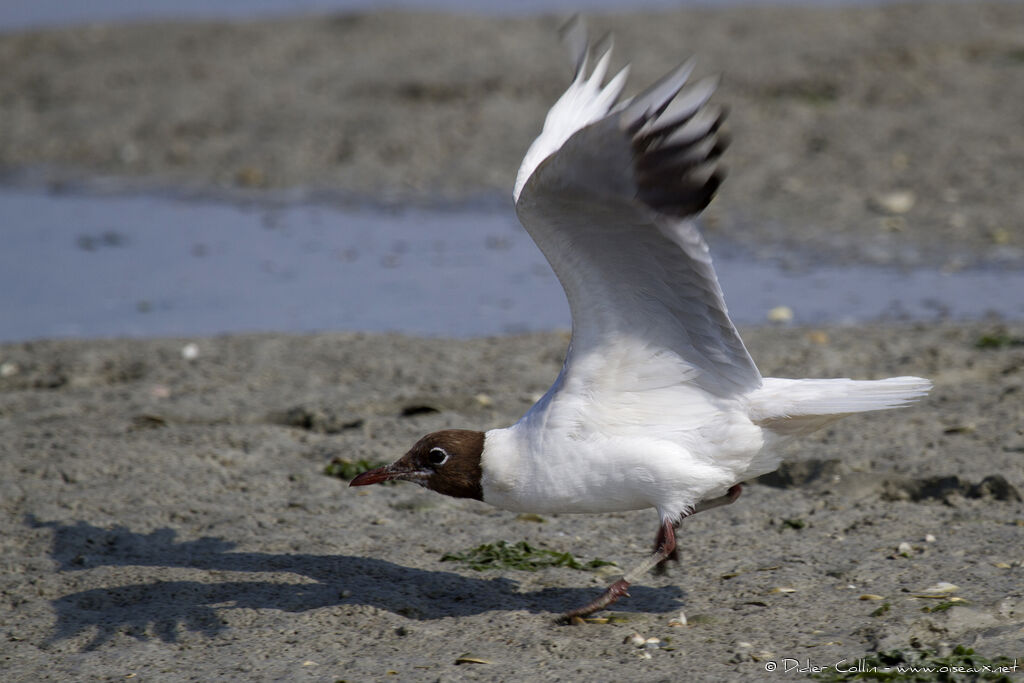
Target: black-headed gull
[[658, 404]]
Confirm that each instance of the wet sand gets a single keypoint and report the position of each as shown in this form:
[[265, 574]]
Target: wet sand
[[168, 518]]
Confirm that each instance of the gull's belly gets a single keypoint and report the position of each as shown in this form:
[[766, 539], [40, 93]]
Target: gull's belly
[[605, 476]]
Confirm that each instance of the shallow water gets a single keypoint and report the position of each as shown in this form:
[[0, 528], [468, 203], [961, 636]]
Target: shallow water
[[86, 265]]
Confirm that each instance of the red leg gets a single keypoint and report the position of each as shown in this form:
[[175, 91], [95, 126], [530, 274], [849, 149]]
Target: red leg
[[619, 588], [614, 592], [730, 497], [664, 550], [673, 556]]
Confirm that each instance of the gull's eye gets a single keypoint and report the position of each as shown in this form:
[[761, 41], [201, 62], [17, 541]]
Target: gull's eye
[[437, 456]]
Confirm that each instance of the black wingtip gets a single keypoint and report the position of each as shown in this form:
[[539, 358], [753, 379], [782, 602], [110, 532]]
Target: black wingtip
[[677, 141], [682, 181]]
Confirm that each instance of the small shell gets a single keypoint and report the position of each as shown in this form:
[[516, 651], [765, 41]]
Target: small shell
[[783, 589], [780, 315], [940, 591], [896, 202], [635, 639]]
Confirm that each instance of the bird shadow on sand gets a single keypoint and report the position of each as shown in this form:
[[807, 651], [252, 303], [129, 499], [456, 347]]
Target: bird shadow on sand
[[162, 609]]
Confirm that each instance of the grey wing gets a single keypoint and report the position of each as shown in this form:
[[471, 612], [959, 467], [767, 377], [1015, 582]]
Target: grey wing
[[612, 207]]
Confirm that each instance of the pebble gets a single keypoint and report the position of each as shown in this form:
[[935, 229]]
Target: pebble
[[929, 538], [893, 203], [9, 369], [190, 351], [904, 548], [160, 391], [871, 596], [780, 314], [530, 517]]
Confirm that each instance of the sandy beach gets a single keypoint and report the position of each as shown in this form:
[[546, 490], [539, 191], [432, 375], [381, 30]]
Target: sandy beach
[[166, 515]]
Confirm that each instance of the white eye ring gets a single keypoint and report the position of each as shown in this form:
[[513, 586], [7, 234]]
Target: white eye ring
[[437, 456]]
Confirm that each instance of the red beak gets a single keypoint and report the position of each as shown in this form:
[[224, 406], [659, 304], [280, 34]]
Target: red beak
[[382, 474]]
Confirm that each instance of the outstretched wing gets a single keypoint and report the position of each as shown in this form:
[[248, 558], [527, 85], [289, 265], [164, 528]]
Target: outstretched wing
[[608, 192]]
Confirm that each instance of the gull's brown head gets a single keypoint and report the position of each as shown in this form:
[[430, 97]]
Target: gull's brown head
[[447, 462]]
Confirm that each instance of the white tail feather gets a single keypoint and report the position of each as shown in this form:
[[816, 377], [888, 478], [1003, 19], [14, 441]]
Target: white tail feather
[[797, 406]]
